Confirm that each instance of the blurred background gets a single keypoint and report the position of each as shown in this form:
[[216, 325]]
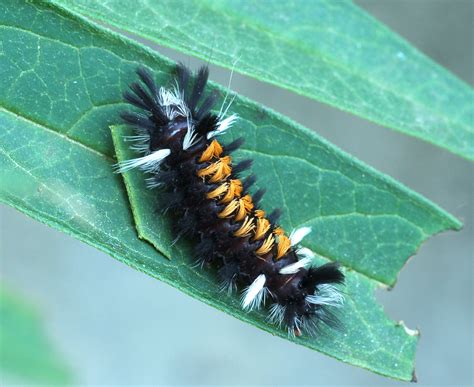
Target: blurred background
[[115, 326]]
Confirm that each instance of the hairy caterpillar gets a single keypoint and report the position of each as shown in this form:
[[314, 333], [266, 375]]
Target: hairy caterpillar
[[175, 133]]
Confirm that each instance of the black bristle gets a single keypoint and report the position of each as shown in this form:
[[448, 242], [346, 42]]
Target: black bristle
[[242, 166], [183, 74], [134, 100], [207, 105], [234, 145], [150, 103], [275, 216], [166, 177], [198, 89], [257, 196], [229, 274], [172, 199], [147, 79], [204, 250], [141, 93], [325, 274], [249, 181], [138, 120], [207, 124]]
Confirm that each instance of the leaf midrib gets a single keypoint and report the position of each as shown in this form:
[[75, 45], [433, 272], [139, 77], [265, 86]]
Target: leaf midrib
[[60, 134]]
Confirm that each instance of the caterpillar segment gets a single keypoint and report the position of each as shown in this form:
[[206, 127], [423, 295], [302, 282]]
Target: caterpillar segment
[[212, 203]]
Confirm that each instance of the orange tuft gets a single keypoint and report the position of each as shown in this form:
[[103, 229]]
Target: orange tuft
[[246, 228], [245, 206], [219, 170], [215, 193], [263, 225], [229, 209], [266, 246], [235, 189], [223, 171], [279, 231], [284, 245], [214, 149]]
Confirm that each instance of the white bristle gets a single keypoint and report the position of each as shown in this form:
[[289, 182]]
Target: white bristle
[[298, 234], [223, 126], [147, 163], [295, 267], [173, 103], [304, 252], [277, 313], [253, 295], [326, 294], [190, 138], [151, 182], [140, 148], [137, 137]]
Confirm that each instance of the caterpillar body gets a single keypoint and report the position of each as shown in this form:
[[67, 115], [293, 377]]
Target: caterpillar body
[[175, 133]]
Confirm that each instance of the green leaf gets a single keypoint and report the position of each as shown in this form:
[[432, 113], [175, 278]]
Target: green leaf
[[369, 339], [25, 350], [61, 86], [331, 51]]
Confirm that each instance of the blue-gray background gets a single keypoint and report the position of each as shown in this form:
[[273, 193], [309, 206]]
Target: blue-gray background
[[114, 325]]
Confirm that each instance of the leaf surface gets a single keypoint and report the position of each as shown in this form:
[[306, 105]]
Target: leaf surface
[[60, 90], [331, 51]]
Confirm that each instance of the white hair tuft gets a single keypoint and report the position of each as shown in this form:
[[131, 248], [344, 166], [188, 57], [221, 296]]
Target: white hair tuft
[[253, 295], [146, 163]]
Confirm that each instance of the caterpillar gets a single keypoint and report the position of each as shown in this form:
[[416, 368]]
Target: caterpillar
[[175, 133]]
